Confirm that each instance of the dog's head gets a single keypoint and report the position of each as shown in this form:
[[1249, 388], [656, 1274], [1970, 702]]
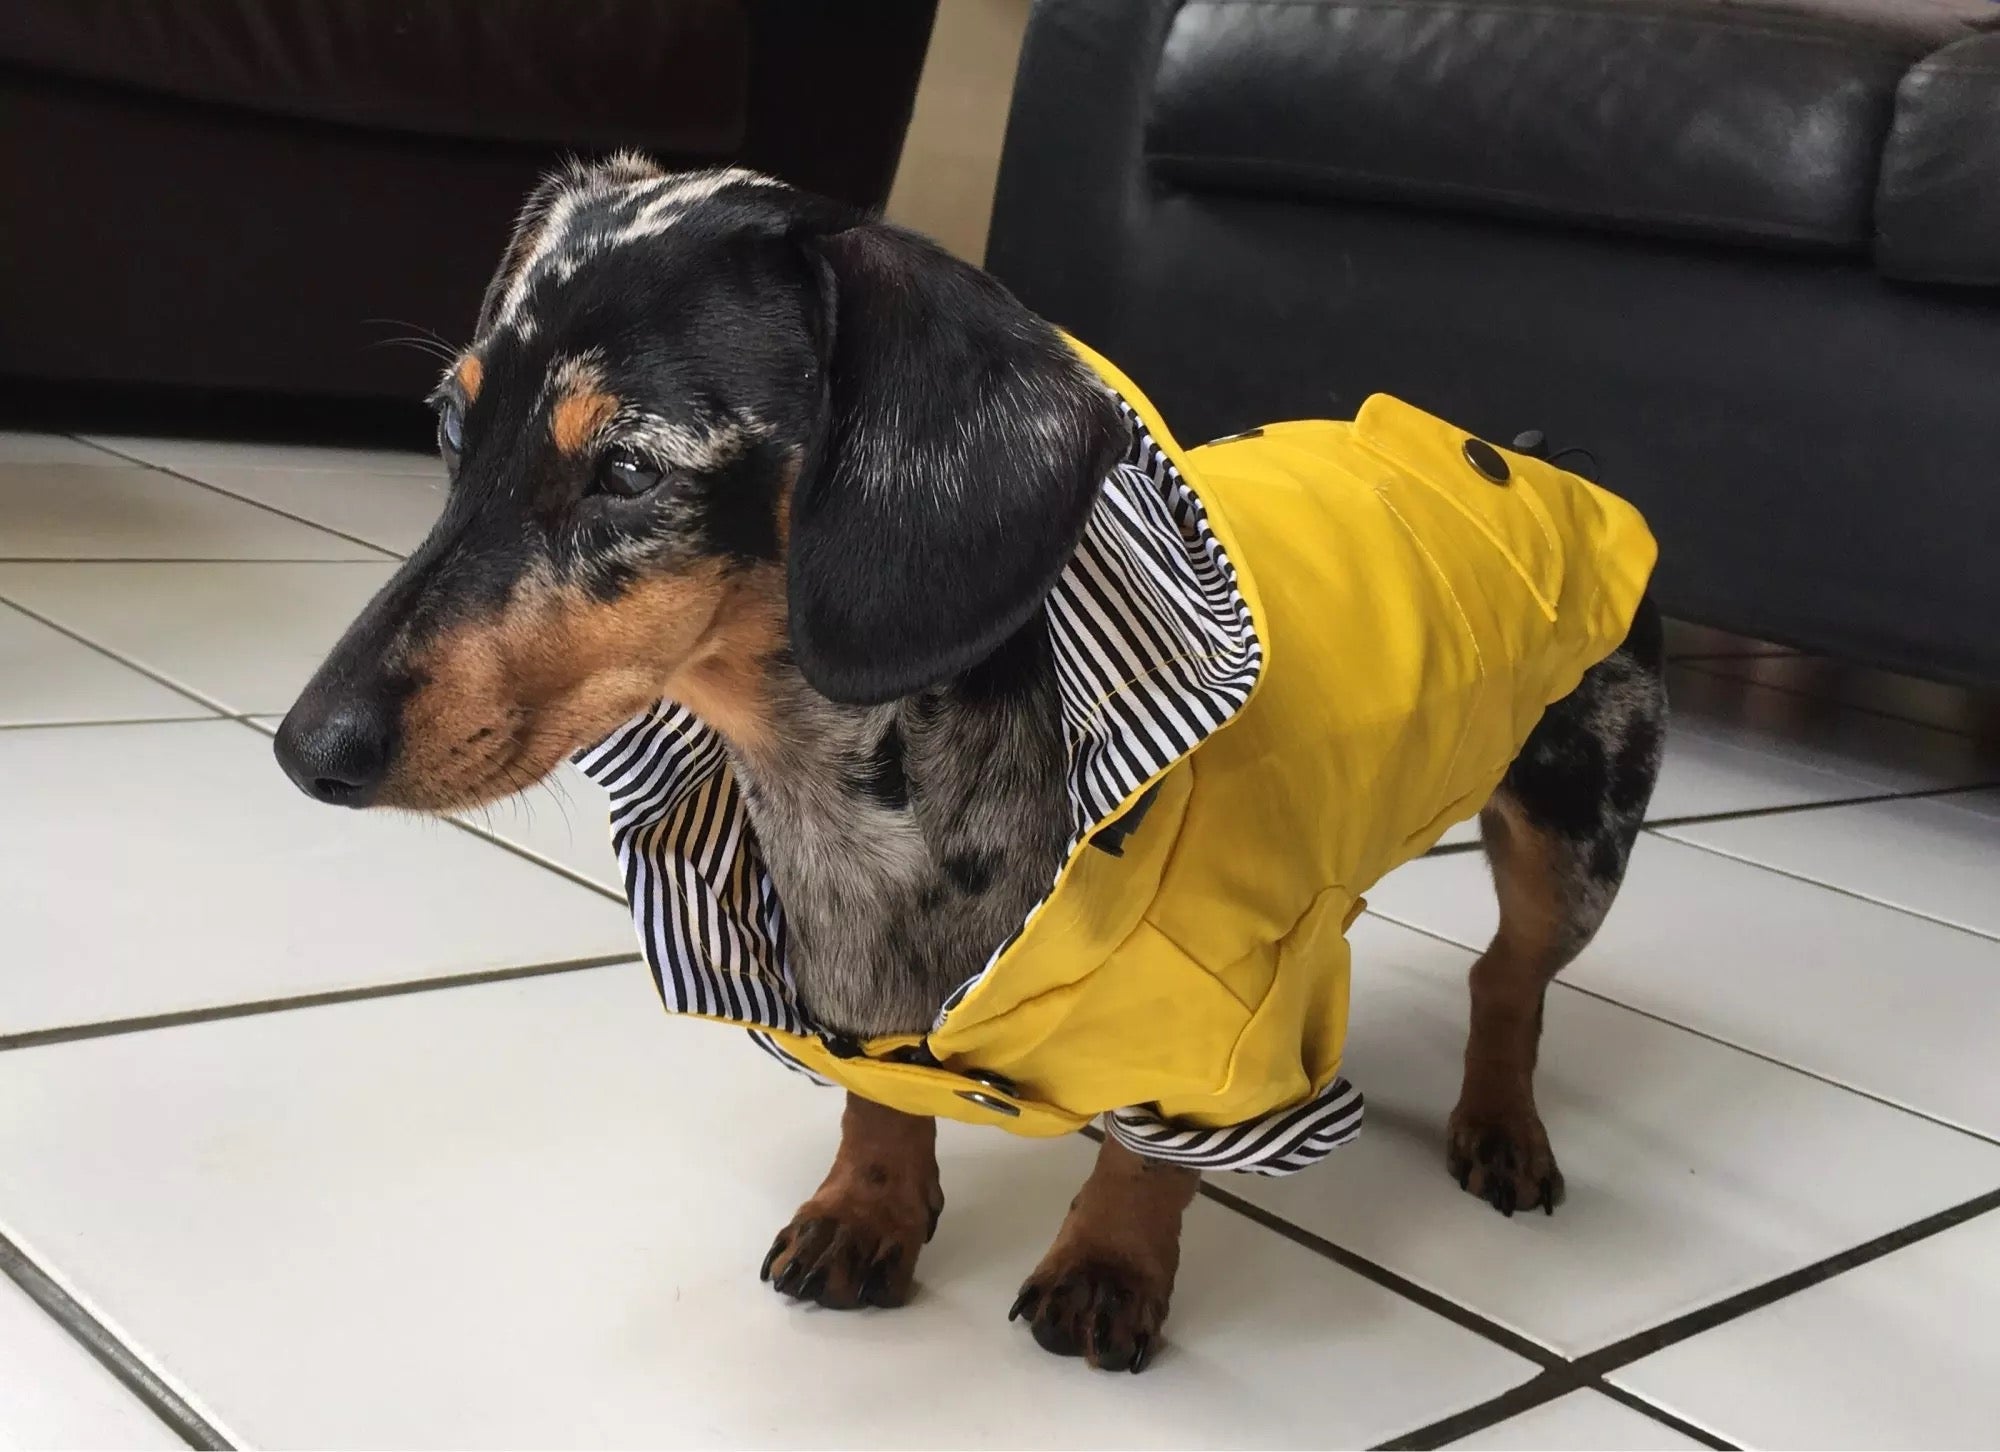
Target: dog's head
[[705, 420]]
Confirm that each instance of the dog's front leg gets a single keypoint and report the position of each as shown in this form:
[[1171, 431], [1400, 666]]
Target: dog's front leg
[[855, 1242], [1102, 1290]]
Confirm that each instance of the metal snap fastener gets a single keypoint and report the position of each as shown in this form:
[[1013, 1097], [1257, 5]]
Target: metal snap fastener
[[999, 1083], [1486, 459], [1232, 438], [987, 1101]]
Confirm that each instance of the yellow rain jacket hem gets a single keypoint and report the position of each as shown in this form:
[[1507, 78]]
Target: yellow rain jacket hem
[[1288, 661]]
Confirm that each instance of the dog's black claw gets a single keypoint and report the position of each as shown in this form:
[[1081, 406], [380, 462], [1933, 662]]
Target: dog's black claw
[[789, 1279], [1142, 1347], [1022, 1302], [1503, 1197], [1465, 1176], [810, 1288], [1103, 1330], [1548, 1195], [875, 1286], [771, 1257]]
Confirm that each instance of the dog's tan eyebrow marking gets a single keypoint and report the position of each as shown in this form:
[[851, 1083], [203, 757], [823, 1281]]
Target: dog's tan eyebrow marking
[[581, 403], [470, 373], [577, 417]]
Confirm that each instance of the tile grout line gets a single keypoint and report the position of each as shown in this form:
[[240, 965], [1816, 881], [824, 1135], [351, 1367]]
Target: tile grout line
[[105, 721], [1557, 1376], [429, 471], [1834, 701], [1438, 1304], [1560, 1374], [146, 1023], [109, 1351], [1652, 829], [1847, 892], [1783, 809], [1620, 1354], [1716, 1039], [186, 478], [489, 835], [1537, 1392], [217, 708], [493, 838], [1775, 1062], [219, 711], [1693, 1431], [1741, 814]]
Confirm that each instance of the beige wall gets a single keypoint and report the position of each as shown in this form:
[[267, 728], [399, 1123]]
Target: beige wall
[[944, 186]]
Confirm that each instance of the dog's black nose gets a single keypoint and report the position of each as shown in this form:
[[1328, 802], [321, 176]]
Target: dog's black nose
[[337, 752]]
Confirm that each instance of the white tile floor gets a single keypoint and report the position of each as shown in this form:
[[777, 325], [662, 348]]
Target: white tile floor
[[316, 1122]]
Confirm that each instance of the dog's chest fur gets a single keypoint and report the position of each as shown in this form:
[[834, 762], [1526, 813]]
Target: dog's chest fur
[[908, 841]]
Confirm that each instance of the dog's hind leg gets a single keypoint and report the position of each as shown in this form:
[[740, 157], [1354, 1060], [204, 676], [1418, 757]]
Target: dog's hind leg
[[1558, 834], [855, 1242]]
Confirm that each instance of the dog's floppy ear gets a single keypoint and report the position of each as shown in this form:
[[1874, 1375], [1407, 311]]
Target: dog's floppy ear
[[962, 447]]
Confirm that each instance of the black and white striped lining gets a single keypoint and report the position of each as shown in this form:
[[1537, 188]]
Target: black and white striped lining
[[707, 913], [1154, 645], [1281, 1143], [1155, 649]]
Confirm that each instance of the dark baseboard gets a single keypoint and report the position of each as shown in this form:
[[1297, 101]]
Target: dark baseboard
[[169, 410]]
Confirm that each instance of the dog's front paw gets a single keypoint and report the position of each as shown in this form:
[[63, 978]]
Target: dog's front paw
[[1098, 1308], [850, 1252], [1504, 1159]]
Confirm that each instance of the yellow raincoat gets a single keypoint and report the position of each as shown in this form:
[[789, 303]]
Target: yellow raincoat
[[1402, 620]]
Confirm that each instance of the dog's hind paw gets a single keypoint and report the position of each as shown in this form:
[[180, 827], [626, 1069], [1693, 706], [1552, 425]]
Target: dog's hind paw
[[1505, 1160], [1107, 1313]]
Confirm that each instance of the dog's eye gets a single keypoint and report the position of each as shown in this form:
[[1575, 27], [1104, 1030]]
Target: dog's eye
[[451, 430], [626, 475]]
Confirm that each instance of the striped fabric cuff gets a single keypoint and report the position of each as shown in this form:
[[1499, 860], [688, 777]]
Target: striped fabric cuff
[[1280, 1143]]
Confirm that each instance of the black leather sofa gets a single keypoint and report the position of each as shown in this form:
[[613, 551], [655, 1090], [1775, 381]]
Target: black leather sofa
[[1745, 251]]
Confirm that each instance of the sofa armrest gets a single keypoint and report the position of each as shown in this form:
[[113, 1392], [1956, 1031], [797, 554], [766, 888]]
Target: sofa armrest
[[1073, 169], [1937, 216]]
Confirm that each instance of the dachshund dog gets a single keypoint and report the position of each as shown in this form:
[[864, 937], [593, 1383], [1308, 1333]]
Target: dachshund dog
[[695, 447]]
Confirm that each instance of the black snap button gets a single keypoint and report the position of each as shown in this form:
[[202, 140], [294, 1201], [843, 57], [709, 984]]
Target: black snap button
[[842, 1046], [1486, 459], [987, 1101]]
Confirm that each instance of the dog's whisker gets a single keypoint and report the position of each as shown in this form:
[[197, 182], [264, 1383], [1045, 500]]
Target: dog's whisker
[[419, 345], [421, 332]]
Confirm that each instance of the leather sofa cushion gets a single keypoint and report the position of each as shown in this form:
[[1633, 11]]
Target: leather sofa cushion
[[665, 74], [1746, 120], [1938, 214]]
